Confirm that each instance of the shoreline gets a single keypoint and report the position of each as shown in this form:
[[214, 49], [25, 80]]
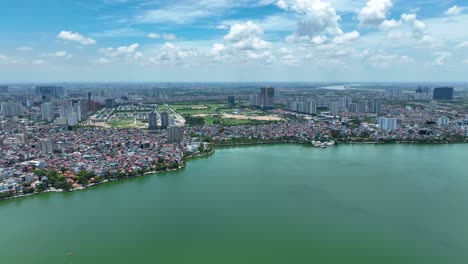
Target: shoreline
[[227, 145]]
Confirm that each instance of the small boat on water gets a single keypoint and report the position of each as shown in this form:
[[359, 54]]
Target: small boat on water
[[70, 254]]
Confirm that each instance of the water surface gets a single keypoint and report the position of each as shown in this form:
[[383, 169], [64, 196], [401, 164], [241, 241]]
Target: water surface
[[269, 204]]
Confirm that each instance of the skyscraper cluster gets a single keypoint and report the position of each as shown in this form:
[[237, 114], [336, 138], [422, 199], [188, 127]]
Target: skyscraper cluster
[[264, 99], [50, 91], [302, 105], [343, 104], [11, 109], [72, 112], [423, 94]]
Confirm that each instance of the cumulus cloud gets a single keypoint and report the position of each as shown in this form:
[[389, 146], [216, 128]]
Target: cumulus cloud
[[219, 52], [246, 36], [374, 12], [77, 37], [153, 36], [346, 37], [407, 27], [389, 25], [172, 54], [382, 59], [454, 10], [417, 26], [243, 42], [126, 52], [441, 58], [463, 45], [316, 16]]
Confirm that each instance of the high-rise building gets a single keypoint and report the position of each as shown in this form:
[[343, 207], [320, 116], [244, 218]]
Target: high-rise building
[[443, 121], [50, 91], [164, 120], [3, 89], [231, 101], [433, 105], [265, 98], [153, 121], [334, 108], [45, 146], [270, 97], [344, 101], [387, 124], [443, 93], [110, 103], [10, 109], [394, 92], [72, 119], [47, 111], [311, 107], [423, 94], [376, 106], [174, 134], [362, 106], [353, 107]]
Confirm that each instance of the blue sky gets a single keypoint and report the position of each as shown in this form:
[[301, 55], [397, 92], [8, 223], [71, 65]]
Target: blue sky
[[233, 40]]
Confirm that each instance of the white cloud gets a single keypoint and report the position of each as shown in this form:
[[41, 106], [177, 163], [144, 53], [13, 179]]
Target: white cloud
[[172, 54], [242, 43], [441, 58], [3, 57], [24, 48], [168, 36], [38, 62], [219, 52], [77, 37], [346, 37], [282, 4], [454, 10], [389, 25], [100, 61], [465, 61], [463, 45], [418, 28], [127, 52], [59, 54], [247, 36], [383, 59], [153, 36], [374, 12], [165, 36], [316, 17]]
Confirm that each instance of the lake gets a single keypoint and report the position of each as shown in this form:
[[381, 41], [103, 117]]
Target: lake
[[267, 204]]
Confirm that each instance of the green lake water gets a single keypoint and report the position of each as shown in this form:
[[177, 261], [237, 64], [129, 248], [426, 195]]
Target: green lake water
[[269, 204]]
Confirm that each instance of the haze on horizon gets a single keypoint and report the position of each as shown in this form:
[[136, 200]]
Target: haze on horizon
[[234, 41]]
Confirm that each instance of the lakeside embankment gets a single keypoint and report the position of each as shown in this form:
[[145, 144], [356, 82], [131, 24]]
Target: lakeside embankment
[[142, 174], [224, 145]]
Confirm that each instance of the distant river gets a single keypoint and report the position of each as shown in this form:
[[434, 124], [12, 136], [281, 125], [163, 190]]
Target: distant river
[[270, 204]]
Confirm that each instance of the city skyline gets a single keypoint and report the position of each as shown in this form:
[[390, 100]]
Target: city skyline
[[234, 41]]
